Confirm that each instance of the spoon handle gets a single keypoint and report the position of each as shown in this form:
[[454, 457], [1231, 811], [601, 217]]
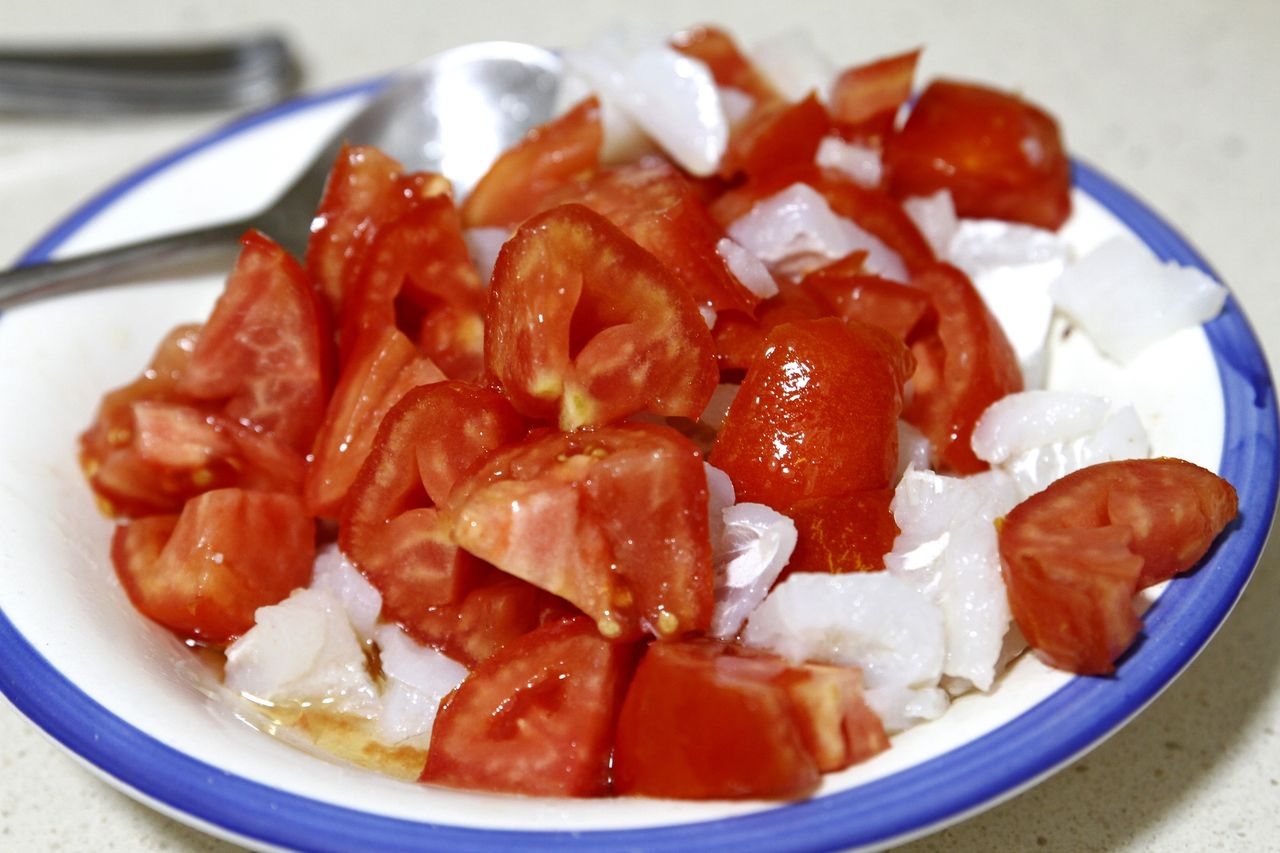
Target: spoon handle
[[120, 264]]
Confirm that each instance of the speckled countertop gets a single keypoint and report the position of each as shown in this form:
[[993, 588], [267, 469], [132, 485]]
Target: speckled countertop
[[1179, 101]]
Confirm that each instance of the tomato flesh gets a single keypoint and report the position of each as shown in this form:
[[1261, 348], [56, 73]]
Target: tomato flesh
[[728, 66], [203, 573], [1075, 553], [586, 327], [391, 528], [263, 357], [536, 718], [613, 519], [551, 157], [846, 291], [865, 99], [963, 367]]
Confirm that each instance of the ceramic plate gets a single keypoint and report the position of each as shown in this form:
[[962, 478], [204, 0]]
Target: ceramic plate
[[131, 702]]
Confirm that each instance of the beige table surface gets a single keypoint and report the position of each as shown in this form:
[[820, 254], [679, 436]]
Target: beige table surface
[[1178, 100]]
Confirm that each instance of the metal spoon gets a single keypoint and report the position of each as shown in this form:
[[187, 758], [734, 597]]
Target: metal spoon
[[452, 113]]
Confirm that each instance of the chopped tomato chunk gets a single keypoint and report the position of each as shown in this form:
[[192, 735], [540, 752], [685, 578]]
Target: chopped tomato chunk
[[203, 573], [865, 99], [585, 326], [816, 415], [846, 291], [391, 528], [999, 156], [612, 519], [549, 158], [962, 368], [776, 136], [264, 355], [716, 48], [844, 533], [537, 717], [382, 368], [1075, 553], [703, 720]]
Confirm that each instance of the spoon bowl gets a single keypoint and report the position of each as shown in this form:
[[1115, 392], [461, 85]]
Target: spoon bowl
[[452, 113]]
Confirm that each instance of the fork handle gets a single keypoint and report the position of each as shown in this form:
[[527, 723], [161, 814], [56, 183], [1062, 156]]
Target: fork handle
[[119, 265]]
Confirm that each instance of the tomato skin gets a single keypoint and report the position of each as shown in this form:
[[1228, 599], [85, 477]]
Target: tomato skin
[[740, 338], [653, 203], [536, 718], [263, 356], [816, 415], [612, 519], [585, 326], [999, 156], [962, 368], [1074, 554], [844, 533], [390, 529], [549, 158], [865, 99], [382, 368], [203, 573], [365, 189], [704, 721]]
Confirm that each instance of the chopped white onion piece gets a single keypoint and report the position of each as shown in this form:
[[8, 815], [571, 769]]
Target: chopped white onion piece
[[417, 678], [754, 546], [1031, 419], [862, 163], [914, 449], [794, 65], [359, 598], [1040, 436], [947, 551], [795, 232], [737, 105], [747, 268], [1125, 299], [720, 496], [303, 650], [935, 216]]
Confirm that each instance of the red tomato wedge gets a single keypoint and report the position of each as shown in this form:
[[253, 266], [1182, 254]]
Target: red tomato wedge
[[999, 156], [776, 136], [962, 368], [586, 327], [740, 338], [702, 720], [417, 275], [383, 366], [365, 189], [865, 99], [496, 611], [537, 717], [203, 573], [1075, 553], [816, 415], [612, 519], [851, 294], [263, 357], [845, 533], [549, 158], [658, 207], [390, 529], [728, 65]]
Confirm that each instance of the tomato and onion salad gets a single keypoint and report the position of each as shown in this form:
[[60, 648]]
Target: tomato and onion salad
[[517, 466]]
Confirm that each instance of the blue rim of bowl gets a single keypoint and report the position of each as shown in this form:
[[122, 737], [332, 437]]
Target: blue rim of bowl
[[910, 802]]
